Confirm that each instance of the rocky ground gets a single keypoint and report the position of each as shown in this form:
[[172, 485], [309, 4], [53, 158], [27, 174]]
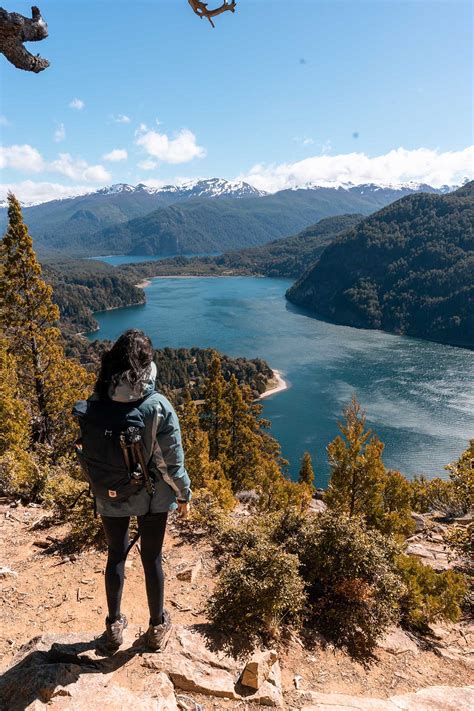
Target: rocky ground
[[52, 610]]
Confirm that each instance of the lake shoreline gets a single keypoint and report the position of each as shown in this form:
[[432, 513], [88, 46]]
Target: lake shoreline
[[277, 384]]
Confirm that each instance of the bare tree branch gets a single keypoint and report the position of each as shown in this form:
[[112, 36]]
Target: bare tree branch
[[200, 8], [14, 31]]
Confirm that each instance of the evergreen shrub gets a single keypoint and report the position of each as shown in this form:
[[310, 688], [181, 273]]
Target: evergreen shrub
[[259, 595]]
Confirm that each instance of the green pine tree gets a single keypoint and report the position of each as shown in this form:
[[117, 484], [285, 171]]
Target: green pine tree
[[244, 450], [306, 473], [397, 494], [205, 474], [215, 412], [357, 471], [14, 421], [48, 383]]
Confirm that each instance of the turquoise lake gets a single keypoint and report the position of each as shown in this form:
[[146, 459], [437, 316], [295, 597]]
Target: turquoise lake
[[419, 396], [116, 260]]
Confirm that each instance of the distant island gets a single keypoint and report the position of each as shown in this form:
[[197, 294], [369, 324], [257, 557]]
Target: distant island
[[407, 269]]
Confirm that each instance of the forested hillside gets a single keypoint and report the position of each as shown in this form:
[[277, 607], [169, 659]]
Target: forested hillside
[[210, 226], [285, 257], [60, 225], [124, 219], [407, 269], [82, 287]]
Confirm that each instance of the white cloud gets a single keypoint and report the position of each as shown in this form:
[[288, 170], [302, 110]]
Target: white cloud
[[60, 133], [29, 191], [304, 140], [27, 159], [147, 164], [79, 169], [115, 155], [23, 157], [121, 118], [78, 104], [180, 149], [397, 166]]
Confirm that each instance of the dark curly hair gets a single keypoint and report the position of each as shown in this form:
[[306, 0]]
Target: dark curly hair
[[129, 359]]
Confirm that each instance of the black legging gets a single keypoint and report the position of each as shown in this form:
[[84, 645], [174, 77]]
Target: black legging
[[152, 532]]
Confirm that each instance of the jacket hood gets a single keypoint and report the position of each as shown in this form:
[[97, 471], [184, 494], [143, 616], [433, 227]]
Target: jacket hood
[[124, 392]]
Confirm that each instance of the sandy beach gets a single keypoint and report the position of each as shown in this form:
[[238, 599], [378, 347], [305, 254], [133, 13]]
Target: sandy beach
[[143, 284], [279, 386]]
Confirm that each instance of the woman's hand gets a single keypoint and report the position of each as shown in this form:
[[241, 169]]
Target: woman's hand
[[183, 509]]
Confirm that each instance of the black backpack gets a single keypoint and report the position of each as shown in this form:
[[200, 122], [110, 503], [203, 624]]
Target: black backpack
[[110, 449]]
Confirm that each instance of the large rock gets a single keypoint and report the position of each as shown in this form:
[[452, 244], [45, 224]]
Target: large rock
[[455, 641], [431, 553], [189, 573], [396, 641], [432, 698], [70, 671], [67, 671], [316, 506], [419, 521], [258, 667], [92, 694], [270, 692], [193, 667]]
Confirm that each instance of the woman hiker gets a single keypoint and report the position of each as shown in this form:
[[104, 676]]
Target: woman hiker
[[127, 377]]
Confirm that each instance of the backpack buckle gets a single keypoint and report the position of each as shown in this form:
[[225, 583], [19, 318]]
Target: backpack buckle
[[108, 433]]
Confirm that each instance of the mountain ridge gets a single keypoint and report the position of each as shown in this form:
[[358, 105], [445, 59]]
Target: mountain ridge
[[199, 216]]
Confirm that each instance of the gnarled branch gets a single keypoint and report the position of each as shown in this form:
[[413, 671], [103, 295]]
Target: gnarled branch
[[200, 8], [14, 31]]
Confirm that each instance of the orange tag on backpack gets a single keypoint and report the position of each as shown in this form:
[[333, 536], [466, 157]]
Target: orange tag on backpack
[[112, 494]]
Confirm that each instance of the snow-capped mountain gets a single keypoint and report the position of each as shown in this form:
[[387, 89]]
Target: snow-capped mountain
[[364, 188], [199, 188], [196, 216]]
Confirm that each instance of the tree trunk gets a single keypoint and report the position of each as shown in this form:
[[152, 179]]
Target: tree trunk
[[14, 31]]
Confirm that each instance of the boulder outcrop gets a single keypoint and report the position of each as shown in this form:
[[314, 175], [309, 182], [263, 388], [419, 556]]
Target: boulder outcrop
[[432, 698], [63, 671]]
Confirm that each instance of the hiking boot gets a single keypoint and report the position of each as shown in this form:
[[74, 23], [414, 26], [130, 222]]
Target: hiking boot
[[156, 637], [114, 633]]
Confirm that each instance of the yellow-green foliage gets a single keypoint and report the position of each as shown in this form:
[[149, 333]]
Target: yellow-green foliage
[[461, 540], [436, 495], [14, 420], [461, 474], [66, 493], [48, 383], [396, 515], [357, 471], [429, 595], [360, 485], [234, 447], [23, 474], [206, 475], [39, 384], [306, 472], [452, 497], [259, 595]]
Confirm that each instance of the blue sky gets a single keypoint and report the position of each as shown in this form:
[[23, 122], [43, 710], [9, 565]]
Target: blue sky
[[282, 92]]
